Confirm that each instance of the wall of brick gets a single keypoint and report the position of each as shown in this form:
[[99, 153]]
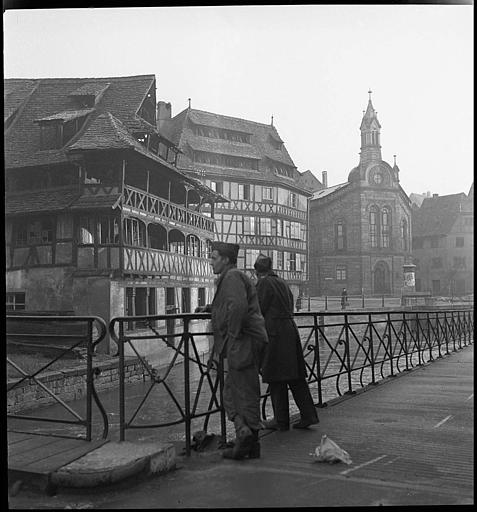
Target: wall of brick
[[70, 384]]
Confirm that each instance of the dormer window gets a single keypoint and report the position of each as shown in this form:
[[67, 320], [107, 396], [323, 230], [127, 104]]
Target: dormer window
[[58, 129], [148, 108]]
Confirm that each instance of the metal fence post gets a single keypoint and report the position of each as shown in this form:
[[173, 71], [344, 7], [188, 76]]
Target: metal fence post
[[185, 335], [308, 303], [317, 357], [382, 301], [326, 302], [362, 300], [122, 420], [223, 423], [405, 340], [431, 358], [371, 348], [348, 357], [89, 380], [390, 344], [418, 341]]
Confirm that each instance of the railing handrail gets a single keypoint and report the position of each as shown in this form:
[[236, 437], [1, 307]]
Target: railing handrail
[[170, 203], [388, 339], [90, 371]]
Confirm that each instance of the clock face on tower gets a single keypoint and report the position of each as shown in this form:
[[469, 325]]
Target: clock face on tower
[[378, 178]]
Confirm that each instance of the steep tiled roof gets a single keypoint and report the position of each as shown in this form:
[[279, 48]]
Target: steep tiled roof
[[90, 89], [437, 215], [51, 96], [217, 146], [67, 115], [40, 200], [105, 132], [179, 131], [99, 201], [319, 194], [308, 180], [15, 94]]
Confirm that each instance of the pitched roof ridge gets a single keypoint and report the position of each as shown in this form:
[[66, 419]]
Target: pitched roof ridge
[[231, 117], [73, 79]]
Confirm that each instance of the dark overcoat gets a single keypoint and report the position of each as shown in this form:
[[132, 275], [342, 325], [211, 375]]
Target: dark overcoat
[[284, 358], [237, 322]]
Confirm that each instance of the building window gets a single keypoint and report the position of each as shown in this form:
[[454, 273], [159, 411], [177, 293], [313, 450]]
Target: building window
[[404, 235], [244, 191], [251, 256], [249, 226], [201, 297], [86, 230], [34, 232], [108, 230], [185, 300], [15, 301], [436, 262], [459, 241], [279, 227], [217, 186], [280, 260], [341, 272], [140, 301], [373, 228], [292, 261], [135, 232], [265, 226], [293, 200], [434, 242], [267, 193], [340, 236], [295, 230], [459, 262], [385, 227]]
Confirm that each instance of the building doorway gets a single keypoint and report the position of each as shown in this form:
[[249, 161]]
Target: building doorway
[[381, 278]]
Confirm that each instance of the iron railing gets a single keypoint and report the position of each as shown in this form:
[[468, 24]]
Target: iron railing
[[343, 352], [92, 330]]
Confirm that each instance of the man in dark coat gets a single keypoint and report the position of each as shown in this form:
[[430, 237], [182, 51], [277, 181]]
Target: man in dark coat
[[284, 365], [240, 336]]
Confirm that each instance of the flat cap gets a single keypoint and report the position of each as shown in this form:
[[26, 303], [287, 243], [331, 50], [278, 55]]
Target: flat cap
[[225, 249]]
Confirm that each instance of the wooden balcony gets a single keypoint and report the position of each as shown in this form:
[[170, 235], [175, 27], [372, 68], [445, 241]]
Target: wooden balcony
[[266, 208], [272, 242], [163, 211], [153, 261]]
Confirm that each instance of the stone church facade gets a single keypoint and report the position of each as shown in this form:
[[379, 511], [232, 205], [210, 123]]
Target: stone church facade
[[360, 230]]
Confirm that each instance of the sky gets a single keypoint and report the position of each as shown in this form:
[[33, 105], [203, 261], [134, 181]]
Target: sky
[[310, 66]]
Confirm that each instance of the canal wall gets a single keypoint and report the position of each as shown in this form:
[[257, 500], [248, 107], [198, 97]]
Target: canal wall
[[70, 384]]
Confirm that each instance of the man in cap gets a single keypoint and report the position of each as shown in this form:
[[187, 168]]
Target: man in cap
[[240, 336], [284, 365]]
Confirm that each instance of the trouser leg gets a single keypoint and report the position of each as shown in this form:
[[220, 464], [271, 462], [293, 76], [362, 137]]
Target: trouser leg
[[304, 401], [242, 397], [279, 396]]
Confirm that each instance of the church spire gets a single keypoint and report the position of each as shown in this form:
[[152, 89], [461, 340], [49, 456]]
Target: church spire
[[370, 134]]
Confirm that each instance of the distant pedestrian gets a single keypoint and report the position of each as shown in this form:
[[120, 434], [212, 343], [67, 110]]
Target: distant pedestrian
[[284, 365], [240, 336], [344, 298]]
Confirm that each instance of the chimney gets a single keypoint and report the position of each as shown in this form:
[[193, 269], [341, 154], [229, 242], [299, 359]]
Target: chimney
[[324, 178], [435, 195], [163, 113]]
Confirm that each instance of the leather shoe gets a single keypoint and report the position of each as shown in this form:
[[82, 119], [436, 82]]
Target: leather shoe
[[273, 425], [305, 423]]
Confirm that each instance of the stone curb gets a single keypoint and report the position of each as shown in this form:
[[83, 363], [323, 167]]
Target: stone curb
[[115, 461]]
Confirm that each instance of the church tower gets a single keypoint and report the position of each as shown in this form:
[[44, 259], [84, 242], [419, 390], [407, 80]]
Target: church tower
[[370, 136]]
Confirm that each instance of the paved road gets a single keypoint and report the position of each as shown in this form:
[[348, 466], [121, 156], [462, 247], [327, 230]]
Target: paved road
[[410, 439]]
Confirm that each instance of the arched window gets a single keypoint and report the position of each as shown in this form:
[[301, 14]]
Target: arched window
[[404, 235], [386, 227], [340, 236], [373, 226]]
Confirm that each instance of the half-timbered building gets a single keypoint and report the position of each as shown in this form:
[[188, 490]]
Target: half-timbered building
[[248, 163], [99, 219]]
